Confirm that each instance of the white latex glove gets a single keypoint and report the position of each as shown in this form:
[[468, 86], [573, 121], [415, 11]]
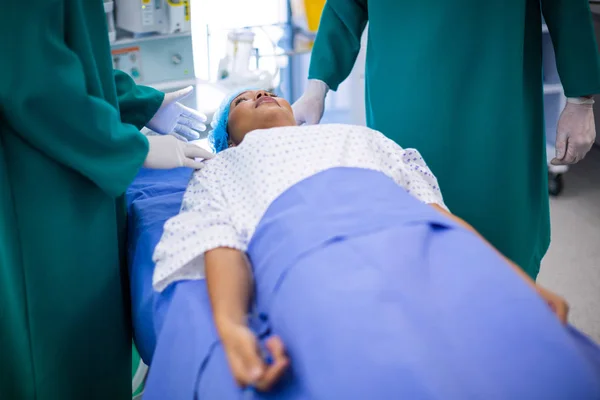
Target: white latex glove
[[576, 131], [167, 152], [174, 117], [310, 106]]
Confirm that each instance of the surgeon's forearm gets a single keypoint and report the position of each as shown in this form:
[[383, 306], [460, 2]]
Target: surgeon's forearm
[[338, 41], [462, 222], [572, 30], [229, 282], [137, 103]]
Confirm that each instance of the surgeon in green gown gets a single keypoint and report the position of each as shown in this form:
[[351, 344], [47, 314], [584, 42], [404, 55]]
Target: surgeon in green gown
[[69, 146], [461, 81]]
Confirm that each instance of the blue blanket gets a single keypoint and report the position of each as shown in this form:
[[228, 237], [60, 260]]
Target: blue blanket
[[419, 329]]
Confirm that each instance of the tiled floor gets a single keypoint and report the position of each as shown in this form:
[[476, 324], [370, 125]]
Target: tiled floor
[[572, 265]]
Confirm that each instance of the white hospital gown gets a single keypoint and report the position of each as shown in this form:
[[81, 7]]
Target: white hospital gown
[[226, 199]]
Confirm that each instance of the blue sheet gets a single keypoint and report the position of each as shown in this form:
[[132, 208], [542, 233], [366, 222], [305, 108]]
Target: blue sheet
[[438, 334], [154, 197]]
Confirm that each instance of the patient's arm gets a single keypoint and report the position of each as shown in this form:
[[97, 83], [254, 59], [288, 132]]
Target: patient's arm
[[229, 282], [557, 303]]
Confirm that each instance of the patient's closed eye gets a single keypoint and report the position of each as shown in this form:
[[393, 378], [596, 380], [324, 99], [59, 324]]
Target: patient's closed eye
[[239, 100]]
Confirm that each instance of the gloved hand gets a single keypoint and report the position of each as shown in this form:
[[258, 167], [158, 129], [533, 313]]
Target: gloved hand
[[174, 117], [167, 152], [310, 106], [576, 131]]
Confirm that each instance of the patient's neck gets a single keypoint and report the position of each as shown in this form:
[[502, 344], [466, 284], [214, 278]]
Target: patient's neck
[[272, 123], [277, 122]]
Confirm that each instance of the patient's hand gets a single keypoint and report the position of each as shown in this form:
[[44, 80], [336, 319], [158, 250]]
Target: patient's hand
[[245, 360], [558, 305]]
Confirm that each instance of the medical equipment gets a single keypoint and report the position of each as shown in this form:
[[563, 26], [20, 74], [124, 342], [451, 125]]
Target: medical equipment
[[153, 16], [156, 59], [234, 69], [153, 41], [240, 44], [109, 10]]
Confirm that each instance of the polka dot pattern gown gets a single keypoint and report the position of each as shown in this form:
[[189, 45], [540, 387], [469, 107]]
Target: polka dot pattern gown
[[226, 199]]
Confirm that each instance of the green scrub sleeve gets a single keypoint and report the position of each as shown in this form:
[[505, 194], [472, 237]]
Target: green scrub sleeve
[[338, 41], [572, 31], [137, 103], [43, 98]]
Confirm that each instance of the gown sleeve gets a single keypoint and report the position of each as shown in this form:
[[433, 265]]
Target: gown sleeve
[[409, 170], [44, 99], [572, 31], [338, 41], [137, 103], [203, 224]]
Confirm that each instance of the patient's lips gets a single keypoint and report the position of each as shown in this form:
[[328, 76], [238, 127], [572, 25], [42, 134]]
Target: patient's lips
[[265, 99]]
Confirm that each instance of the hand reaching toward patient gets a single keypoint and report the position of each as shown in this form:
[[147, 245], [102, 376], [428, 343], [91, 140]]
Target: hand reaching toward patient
[[245, 359]]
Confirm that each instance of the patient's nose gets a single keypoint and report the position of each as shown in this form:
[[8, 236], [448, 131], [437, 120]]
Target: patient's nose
[[259, 94]]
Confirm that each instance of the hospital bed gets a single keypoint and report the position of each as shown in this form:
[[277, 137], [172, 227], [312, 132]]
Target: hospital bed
[[163, 332], [153, 197], [176, 346]]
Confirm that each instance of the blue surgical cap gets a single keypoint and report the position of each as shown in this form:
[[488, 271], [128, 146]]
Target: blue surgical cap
[[218, 137]]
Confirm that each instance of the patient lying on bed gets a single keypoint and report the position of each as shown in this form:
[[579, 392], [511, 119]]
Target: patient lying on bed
[[338, 244]]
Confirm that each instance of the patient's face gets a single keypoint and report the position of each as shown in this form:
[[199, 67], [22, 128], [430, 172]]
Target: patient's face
[[257, 109]]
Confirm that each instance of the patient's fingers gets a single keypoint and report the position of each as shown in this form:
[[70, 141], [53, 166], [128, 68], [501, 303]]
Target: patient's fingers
[[276, 348], [558, 305], [253, 365], [560, 308], [277, 368]]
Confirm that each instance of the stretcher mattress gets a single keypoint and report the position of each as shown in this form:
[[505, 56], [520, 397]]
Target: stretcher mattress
[[152, 199]]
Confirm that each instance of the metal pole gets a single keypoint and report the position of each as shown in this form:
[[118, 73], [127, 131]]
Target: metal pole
[[292, 33]]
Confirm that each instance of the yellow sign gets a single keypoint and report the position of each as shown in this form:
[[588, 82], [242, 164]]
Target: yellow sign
[[186, 4], [314, 9]]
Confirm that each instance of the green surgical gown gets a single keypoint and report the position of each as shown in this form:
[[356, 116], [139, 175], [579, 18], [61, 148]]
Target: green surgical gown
[[69, 147], [461, 81]]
